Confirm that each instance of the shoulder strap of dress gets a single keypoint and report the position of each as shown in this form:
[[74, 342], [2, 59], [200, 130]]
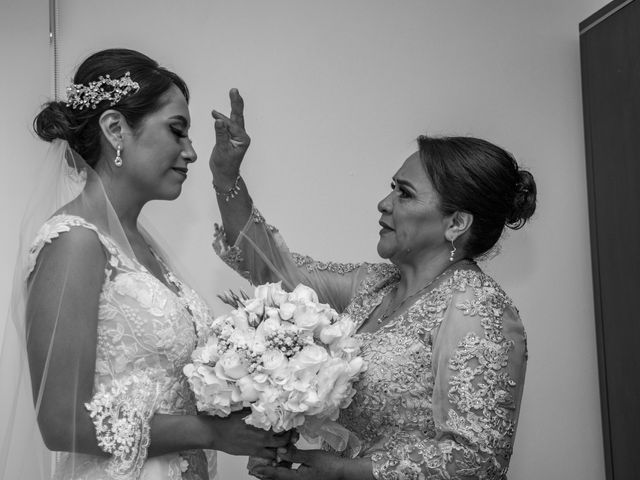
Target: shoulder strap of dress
[[57, 225]]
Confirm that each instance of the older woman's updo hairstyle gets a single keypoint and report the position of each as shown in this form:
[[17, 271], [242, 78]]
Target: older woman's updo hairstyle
[[80, 126], [475, 176]]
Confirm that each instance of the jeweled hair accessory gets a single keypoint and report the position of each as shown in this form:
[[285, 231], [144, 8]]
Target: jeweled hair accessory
[[80, 96]]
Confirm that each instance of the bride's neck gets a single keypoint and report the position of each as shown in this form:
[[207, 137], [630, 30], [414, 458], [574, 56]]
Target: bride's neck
[[121, 198]]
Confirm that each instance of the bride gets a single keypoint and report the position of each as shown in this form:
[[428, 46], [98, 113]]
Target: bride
[[445, 347], [103, 319]]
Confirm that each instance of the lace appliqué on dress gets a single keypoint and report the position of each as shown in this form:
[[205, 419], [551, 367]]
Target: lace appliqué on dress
[[121, 414], [229, 254], [52, 230], [232, 254], [313, 265], [393, 411], [482, 389], [381, 277], [256, 217], [145, 337]]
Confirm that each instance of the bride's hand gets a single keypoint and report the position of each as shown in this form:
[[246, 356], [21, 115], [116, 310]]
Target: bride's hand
[[232, 140], [233, 436], [314, 465]]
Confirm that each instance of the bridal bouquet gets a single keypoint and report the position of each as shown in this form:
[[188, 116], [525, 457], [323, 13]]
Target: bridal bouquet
[[289, 358]]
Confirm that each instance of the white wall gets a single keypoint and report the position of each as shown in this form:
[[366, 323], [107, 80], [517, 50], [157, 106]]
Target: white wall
[[336, 92]]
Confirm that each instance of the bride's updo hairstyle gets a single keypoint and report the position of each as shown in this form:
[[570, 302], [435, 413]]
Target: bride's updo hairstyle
[[80, 126], [475, 176]]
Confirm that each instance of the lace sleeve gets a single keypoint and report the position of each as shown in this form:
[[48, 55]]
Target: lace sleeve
[[261, 255], [479, 361], [121, 413]]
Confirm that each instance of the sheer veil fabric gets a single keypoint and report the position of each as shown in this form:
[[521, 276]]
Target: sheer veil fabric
[[67, 184]]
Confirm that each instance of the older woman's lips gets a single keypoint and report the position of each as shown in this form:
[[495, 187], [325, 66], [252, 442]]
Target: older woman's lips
[[385, 228]]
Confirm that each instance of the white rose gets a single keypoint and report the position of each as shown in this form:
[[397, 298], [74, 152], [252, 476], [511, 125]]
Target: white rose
[[261, 381], [257, 345], [232, 365], [307, 317], [283, 377], [279, 297], [303, 294], [286, 310], [255, 305], [267, 328], [311, 357], [272, 312], [239, 339], [273, 361], [255, 311], [271, 294], [330, 333], [240, 320], [223, 327]]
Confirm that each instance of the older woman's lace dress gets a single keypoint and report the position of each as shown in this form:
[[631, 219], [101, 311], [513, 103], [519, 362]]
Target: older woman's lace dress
[[441, 395], [146, 333]]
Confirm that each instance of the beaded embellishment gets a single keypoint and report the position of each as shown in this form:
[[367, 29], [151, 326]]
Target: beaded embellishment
[[80, 96]]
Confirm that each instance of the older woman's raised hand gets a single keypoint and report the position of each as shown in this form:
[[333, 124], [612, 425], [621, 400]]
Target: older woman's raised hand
[[232, 140]]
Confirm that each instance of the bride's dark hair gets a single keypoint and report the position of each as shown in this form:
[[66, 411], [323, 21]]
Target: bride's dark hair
[[80, 127], [478, 177]]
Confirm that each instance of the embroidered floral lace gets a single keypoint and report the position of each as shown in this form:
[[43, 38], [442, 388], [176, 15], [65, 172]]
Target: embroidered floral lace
[[146, 333], [441, 395]]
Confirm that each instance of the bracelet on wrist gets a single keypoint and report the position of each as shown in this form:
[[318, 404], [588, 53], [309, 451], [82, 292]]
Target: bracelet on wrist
[[230, 192]]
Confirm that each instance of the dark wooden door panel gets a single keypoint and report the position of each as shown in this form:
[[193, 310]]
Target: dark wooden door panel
[[610, 54]]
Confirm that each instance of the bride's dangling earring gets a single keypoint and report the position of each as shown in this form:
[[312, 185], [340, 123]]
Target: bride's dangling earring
[[452, 252], [118, 160]]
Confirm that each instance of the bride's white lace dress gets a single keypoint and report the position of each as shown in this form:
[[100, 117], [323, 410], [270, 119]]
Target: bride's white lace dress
[[441, 395], [146, 333]]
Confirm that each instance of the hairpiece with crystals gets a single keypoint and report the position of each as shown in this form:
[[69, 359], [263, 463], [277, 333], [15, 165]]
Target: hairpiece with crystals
[[80, 96]]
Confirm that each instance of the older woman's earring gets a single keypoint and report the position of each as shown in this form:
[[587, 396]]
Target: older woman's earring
[[118, 160], [453, 251]]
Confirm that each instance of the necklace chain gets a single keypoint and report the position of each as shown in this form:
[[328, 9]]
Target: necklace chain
[[389, 312]]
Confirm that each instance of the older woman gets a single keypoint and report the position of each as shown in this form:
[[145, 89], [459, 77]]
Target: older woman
[[445, 347]]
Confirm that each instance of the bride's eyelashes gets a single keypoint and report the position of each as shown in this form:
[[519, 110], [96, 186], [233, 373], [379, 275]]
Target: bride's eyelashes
[[179, 132]]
